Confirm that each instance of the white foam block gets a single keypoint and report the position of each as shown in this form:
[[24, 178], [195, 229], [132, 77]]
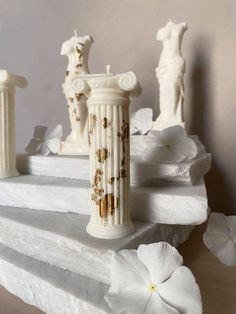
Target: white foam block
[[61, 239], [178, 204], [77, 167], [49, 288]]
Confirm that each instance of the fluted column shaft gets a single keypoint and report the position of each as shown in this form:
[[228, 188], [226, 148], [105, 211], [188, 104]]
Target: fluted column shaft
[[108, 105], [7, 123]]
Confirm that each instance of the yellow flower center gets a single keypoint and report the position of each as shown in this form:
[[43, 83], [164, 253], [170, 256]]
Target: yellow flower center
[[152, 287], [167, 145], [230, 238]]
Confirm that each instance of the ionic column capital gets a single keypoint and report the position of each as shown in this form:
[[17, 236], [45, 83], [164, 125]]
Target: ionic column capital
[[11, 81]]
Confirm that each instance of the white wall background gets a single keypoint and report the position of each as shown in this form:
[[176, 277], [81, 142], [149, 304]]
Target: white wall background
[[32, 31]]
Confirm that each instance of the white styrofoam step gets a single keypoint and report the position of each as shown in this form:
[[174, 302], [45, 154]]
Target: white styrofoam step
[[170, 204], [61, 239], [49, 288], [77, 167]]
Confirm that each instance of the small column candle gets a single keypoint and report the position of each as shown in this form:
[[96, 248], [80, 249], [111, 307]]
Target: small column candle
[[7, 122], [108, 105]]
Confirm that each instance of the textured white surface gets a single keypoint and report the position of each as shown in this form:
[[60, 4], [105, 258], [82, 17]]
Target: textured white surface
[[51, 289], [71, 167], [173, 204], [75, 167], [61, 239]]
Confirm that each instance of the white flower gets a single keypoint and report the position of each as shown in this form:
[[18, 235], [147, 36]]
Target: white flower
[[141, 121], [45, 143], [220, 237], [169, 145], [152, 280]]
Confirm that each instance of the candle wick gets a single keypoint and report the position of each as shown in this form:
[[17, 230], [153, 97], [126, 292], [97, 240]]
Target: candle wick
[[75, 32], [108, 69]]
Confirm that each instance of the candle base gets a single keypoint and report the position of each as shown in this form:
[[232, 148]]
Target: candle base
[[109, 232], [9, 173]]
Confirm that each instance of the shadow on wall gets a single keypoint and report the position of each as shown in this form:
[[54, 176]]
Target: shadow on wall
[[202, 119]]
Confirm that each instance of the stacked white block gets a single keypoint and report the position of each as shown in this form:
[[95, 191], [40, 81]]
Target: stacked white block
[[8, 82], [77, 167], [170, 204], [61, 239]]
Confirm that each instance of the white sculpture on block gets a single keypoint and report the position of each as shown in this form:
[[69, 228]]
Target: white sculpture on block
[[77, 51], [8, 82], [170, 76], [108, 104]]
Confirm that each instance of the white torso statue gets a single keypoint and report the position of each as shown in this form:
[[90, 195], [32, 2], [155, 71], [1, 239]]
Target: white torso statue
[[170, 74], [77, 51]]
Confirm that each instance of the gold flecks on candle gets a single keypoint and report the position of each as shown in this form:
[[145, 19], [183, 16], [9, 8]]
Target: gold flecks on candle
[[77, 118], [92, 123], [123, 161], [123, 173], [102, 154], [97, 176], [124, 132], [71, 99], [94, 198], [98, 191], [111, 180], [67, 73], [78, 65], [107, 204], [106, 123], [80, 53], [80, 97]]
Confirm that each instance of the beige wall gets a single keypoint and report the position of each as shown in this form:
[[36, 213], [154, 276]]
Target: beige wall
[[31, 33]]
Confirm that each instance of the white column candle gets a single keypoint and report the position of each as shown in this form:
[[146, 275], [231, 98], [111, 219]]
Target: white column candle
[[108, 104], [7, 122]]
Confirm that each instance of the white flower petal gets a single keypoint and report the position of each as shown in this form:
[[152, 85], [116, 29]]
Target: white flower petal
[[128, 271], [143, 120], [170, 145], [220, 238], [173, 133], [187, 146], [156, 305], [175, 154], [154, 154], [44, 150], [161, 260], [33, 146], [40, 132], [129, 283], [227, 254], [214, 243], [217, 225], [56, 132], [132, 128], [182, 292], [53, 144], [231, 221], [128, 300]]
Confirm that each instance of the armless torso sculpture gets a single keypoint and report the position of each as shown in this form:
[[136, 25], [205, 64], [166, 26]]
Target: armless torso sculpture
[[170, 73], [77, 51]]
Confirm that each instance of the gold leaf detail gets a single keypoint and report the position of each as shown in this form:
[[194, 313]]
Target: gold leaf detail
[[107, 204], [123, 173], [111, 180], [106, 123], [102, 154]]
